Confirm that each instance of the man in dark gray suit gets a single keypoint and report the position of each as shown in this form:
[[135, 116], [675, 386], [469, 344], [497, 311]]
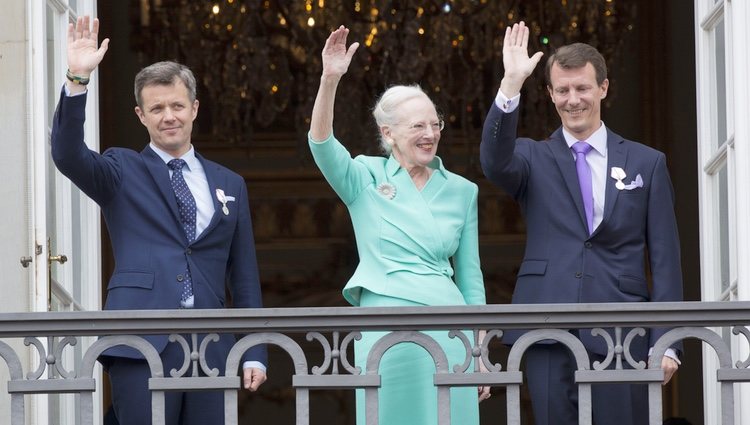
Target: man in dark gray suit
[[594, 204], [179, 224]]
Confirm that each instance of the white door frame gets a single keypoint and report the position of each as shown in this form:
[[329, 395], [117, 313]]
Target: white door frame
[[724, 176], [75, 219]]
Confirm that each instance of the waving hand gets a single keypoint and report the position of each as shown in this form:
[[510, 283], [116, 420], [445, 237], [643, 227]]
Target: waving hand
[[83, 54], [336, 57], [516, 61]]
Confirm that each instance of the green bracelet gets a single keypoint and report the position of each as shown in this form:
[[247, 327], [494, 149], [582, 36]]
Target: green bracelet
[[77, 79]]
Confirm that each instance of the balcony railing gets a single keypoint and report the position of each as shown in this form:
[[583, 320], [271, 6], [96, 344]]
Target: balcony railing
[[335, 329]]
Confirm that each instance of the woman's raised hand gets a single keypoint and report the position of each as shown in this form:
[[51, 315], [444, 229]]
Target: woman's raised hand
[[336, 56]]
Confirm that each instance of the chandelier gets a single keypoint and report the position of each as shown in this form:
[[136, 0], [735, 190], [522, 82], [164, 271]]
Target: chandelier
[[258, 61]]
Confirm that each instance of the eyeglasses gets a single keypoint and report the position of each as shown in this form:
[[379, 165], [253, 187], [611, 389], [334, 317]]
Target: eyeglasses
[[420, 127]]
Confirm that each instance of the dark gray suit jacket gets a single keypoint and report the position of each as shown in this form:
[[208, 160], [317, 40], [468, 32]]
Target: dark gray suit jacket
[[562, 262], [150, 247]]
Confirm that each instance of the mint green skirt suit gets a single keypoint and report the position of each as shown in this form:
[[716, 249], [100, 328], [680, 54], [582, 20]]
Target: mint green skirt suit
[[406, 240]]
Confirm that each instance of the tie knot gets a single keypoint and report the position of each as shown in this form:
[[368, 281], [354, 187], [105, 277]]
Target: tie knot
[[581, 147], [176, 164]]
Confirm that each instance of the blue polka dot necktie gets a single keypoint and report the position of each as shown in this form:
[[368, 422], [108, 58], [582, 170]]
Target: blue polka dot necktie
[[187, 209]]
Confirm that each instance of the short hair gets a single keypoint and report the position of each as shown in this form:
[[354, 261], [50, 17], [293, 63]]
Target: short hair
[[164, 74], [577, 55], [385, 111]]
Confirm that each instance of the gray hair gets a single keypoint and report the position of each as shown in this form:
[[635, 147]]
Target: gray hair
[[164, 74], [386, 108]]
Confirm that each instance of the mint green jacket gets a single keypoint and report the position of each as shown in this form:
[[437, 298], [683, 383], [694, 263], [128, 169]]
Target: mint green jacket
[[406, 238]]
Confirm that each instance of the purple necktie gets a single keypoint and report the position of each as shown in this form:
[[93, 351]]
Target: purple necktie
[[584, 180]]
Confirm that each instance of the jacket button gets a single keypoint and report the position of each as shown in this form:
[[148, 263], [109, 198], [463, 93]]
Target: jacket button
[[180, 278], [189, 251], [579, 274], [588, 244]]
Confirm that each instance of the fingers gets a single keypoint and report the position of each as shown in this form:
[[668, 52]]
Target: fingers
[[524, 35], [537, 56], [342, 34], [484, 393], [517, 34], [86, 21], [337, 36], [669, 366], [95, 29], [83, 28], [253, 378], [71, 33], [103, 49], [352, 49]]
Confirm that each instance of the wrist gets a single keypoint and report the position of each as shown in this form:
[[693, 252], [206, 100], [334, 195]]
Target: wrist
[[511, 87], [78, 78], [330, 79]]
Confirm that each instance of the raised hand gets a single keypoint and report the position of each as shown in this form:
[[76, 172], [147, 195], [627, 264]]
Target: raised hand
[[83, 54], [336, 57], [516, 61]]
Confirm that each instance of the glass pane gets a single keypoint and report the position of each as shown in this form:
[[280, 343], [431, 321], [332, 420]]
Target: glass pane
[[724, 227], [51, 66], [720, 85]]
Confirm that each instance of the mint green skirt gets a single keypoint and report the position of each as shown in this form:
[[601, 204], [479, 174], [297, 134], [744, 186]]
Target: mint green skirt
[[408, 395]]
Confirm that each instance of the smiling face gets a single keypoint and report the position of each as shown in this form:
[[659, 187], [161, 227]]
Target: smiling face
[[577, 98], [168, 115], [414, 139]]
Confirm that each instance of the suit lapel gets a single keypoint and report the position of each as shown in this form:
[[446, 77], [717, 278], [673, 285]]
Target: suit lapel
[[617, 156], [567, 166], [160, 174], [216, 180]]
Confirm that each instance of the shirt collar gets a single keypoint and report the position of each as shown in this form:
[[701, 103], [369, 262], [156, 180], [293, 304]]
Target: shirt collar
[[392, 166], [597, 140], [189, 157]]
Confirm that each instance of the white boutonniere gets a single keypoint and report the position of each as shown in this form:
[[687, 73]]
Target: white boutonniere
[[387, 190], [223, 198], [618, 174]]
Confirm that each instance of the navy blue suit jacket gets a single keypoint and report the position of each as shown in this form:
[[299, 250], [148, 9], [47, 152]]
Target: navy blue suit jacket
[[562, 262], [149, 245]]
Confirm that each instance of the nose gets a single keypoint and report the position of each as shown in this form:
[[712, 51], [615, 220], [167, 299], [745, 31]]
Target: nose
[[573, 97], [168, 115], [429, 133]]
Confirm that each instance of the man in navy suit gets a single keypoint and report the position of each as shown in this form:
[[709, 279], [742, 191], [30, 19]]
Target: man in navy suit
[[179, 224], [594, 204]]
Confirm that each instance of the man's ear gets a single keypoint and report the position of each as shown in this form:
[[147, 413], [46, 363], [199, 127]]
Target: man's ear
[[139, 113], [549, 90], [604, 87], [195, 108]]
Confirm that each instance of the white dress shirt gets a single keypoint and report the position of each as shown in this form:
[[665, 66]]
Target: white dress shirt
[[195, 177]]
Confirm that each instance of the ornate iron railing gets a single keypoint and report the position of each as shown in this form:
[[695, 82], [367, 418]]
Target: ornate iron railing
[[336, 328]]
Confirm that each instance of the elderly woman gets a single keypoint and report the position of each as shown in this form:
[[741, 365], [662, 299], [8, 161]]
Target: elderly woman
[[411, 217]]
